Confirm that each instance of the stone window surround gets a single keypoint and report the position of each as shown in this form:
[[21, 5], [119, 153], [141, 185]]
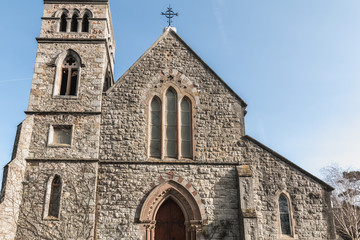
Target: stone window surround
[[58, 74], [161, 95], [46, 216], [51, 136], [291, 211], [69, 15]]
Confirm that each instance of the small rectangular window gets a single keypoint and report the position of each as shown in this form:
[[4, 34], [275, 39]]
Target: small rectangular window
[[61, 135]]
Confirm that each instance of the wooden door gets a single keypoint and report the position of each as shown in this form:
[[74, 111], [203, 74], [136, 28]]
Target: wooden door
[[170, 222]]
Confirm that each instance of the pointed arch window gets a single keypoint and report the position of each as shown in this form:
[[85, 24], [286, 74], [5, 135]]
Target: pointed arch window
[[85, 23], [63, 23], [155, 128], [284, 215], [74, 23], [55, 197], [170, 127], [69, 76], [171, 124], [186, 129]]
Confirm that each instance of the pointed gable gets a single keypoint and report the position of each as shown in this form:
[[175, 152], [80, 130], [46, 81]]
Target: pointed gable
[[170, 63]]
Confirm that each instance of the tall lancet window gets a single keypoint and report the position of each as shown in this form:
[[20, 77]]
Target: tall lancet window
[[155, 128], [69, 76], [85, 23], [186, 134], [171, 124], [55, 197], [284, 211], [74, 23], [63, 23]]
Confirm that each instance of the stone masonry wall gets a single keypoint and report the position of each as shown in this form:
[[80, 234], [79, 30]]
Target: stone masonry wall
[[100, 26], [90, 82], [9, 207], [77, 211], [124, 188], [310, 200], [218, 114], [85, 137]]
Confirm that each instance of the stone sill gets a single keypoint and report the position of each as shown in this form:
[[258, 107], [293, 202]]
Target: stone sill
[[67, 97], [59, 145]]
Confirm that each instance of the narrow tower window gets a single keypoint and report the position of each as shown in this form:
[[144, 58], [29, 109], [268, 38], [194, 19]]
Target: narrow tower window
[[155, 128], [63, 23], [69, 76], [171, 124], [85, 23], [74, 23], [284, 212], [55, 196], [186, 128]]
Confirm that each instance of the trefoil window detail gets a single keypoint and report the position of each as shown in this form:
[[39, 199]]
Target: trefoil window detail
[[69, 76], [284, 214]]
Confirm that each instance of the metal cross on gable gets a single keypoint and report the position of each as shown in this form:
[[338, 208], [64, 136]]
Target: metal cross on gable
[[169, 14]]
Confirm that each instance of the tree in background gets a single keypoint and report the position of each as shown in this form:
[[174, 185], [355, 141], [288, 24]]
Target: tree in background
[[346, 200]]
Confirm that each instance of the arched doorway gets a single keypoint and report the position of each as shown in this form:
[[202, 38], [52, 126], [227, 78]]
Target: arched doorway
[[173, 197], [170, 222]]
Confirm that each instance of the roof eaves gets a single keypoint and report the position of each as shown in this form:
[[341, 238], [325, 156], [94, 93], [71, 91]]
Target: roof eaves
[[288, 162]]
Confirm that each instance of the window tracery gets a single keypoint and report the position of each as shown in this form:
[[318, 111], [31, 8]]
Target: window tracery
[[69, 76], [170, 126]]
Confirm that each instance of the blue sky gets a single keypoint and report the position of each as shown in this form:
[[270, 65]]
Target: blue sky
[[296, 63]]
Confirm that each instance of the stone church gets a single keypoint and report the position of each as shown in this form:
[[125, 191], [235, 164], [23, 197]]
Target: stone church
[[160, 154]]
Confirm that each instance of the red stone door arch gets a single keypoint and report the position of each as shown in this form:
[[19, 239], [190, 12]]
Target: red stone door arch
[[189, 205]]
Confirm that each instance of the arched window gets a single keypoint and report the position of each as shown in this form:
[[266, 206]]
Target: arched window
[[155, 128], [85, 23], [69, 76], [55, 197], [284, 212], [63, 23], [74, 23], [171, 124], [186, 128]]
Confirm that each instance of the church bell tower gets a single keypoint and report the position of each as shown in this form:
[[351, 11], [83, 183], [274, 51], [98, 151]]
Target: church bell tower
[[57, 145]]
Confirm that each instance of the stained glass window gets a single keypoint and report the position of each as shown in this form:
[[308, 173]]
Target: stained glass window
[[284, 215], [155, 128], [171, 124], [186, 128]]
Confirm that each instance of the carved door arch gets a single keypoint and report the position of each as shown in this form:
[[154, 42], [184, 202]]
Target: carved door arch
[[183, 198]]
